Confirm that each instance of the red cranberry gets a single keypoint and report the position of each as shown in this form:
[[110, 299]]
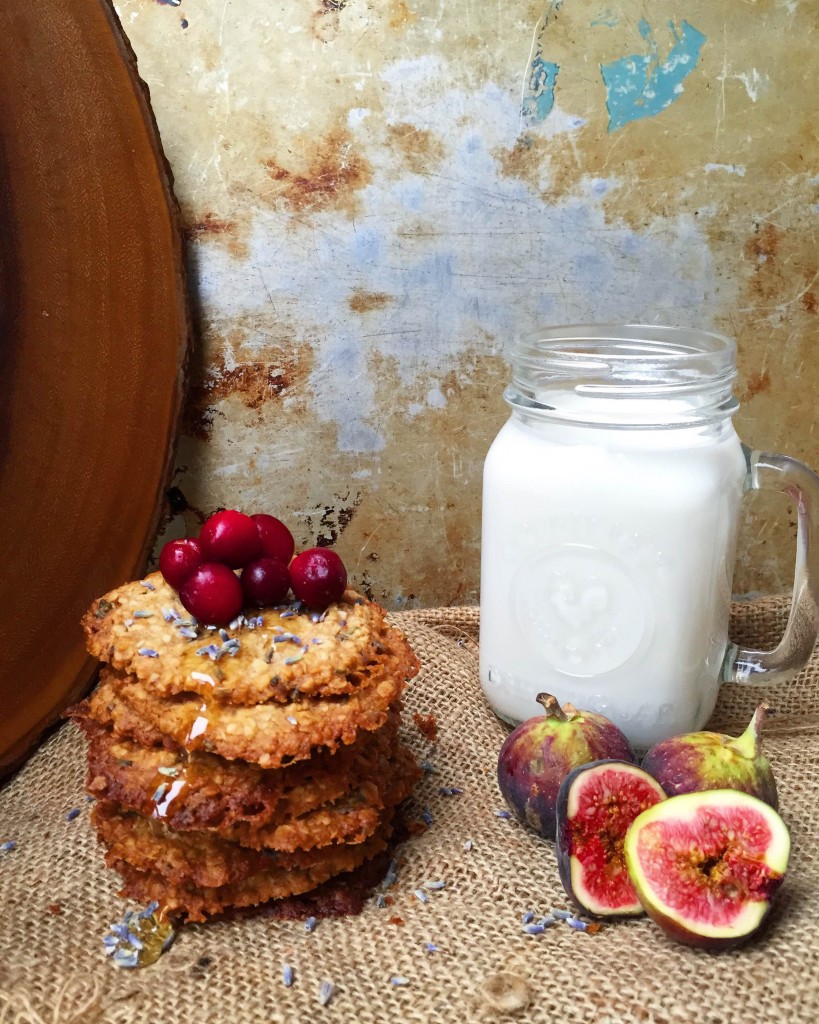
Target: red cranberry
[[277, 541], [265, 581], [178, 559], [212, 594], [318, 577], [230, 537]]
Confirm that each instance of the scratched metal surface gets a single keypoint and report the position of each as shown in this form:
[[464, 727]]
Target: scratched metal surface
[[377, 196]]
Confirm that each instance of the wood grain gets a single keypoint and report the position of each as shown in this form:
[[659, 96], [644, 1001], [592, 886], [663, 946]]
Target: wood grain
[[94, 336]]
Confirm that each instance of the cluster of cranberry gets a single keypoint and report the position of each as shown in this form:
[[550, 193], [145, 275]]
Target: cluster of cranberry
[[202, 568]]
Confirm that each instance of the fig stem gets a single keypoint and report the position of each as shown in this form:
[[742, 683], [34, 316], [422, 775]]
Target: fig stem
[[552, 707], [749, 744]]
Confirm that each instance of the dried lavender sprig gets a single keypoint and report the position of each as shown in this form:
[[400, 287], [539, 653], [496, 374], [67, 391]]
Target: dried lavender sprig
[[147, 585], [310, 924], [577, 924], [421, 896], [450, 790], [468, 845], [426, 816], [72, 814], [534, 929], [287, 975], [562, 915], [125, 957], [148, 652], [210, 650], [435, 884], [528, 917], [170, 614], [140, 613], [188, 632], [502, 814], [326, 992], [8, 846], [398, 980]]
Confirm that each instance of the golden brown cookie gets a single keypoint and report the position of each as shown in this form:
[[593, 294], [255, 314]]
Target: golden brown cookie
[[201, 791], [271, 735], [197, 903], [208, 859], [141, 629], [351, 819]]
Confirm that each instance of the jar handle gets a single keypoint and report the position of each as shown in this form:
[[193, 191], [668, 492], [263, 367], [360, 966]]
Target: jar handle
[[768, 471]]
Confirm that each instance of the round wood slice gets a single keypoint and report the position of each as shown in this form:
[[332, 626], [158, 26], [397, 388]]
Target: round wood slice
[[94, 334]]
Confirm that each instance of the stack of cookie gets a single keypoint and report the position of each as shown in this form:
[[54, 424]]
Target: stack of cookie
[[234, 766]]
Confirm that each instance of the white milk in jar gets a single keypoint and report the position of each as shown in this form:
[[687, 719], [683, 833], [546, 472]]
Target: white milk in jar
[[610, 504]]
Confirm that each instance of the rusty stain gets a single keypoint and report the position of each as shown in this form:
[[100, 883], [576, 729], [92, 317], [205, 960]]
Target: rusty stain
[[334, 170], [808, 301], [757, 384], [762, 249], [332, 521], [420, 149], [210, 224], [256, 383], [365, 302], [325, 19], [400, 15], [212, 227], [763, 245]]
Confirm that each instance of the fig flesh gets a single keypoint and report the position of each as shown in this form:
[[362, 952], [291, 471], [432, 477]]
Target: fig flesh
[[596, 806], [700, 761], [706, 866], [538, 755]]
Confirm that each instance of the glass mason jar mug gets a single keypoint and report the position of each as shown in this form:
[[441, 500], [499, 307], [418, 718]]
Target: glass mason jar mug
[[610, 503]]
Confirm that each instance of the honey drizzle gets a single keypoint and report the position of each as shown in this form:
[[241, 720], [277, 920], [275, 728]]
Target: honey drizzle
[[169, 790], [194, 739]]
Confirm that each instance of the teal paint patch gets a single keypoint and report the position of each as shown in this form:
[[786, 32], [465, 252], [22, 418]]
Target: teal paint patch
[[640, 85], [607, 20], [539, 96]]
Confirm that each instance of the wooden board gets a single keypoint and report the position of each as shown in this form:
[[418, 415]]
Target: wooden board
[[94, 332]]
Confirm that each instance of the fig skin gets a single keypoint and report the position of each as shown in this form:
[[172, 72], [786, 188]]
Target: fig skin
[[699, 761], [697, 811], [538, 755], [609, 854]]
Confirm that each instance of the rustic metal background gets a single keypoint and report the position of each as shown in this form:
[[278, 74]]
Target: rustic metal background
[[377, 195]]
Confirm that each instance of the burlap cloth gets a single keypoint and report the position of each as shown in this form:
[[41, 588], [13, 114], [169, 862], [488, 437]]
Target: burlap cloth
[[52, 967]]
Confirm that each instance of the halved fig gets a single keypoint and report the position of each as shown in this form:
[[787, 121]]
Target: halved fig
[[596, 804], [706, 866]]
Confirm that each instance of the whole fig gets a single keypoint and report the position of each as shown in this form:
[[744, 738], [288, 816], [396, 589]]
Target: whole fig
[[706, 866], [699, 761], [539, 754]]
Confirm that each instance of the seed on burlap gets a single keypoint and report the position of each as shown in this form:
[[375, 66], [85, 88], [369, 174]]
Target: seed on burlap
[[506, 992]]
